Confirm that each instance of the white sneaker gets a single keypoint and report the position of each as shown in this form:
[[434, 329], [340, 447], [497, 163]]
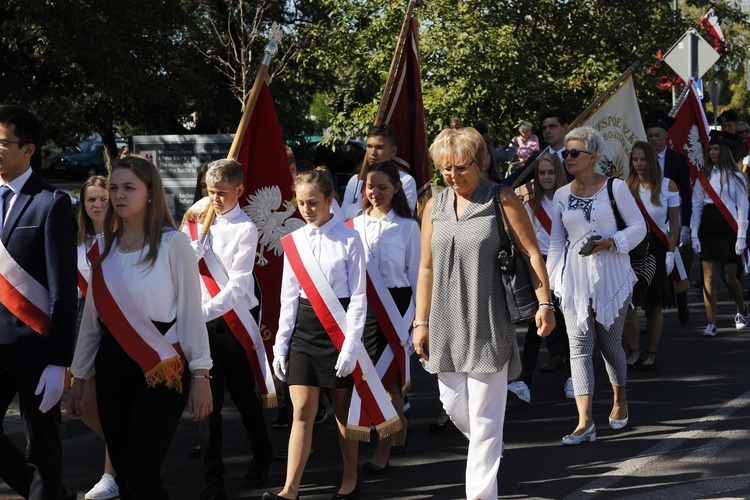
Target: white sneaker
[[741, 321], [519, 391], [569, 392], [105, 489], [710, 330]]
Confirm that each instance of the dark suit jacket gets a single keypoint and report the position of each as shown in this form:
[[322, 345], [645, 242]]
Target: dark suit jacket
[[676, 168], [40, 234]]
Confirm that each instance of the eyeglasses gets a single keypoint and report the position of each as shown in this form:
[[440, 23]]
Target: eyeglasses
[[457, 169], [574, 153], [4, 143]]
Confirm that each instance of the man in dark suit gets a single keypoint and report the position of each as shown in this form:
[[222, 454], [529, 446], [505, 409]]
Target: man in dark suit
[[37, 307], [675, 167]]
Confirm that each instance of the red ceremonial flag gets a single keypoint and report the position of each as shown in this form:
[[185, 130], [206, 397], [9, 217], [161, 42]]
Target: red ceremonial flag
[[710, 21], [269, 201], [689, 134], [403, 109]]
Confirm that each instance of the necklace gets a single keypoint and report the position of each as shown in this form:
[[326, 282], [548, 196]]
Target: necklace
[[129, 246], [586, 191]]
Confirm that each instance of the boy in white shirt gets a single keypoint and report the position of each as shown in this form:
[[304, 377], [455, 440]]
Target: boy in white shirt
[[233, 239]]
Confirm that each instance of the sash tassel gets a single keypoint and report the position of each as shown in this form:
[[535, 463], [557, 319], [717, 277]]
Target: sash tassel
[[167, 372]]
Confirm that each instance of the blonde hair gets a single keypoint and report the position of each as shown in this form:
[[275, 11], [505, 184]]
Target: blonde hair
[[560, 178], [158, 217], [321, 178], [462, 144]]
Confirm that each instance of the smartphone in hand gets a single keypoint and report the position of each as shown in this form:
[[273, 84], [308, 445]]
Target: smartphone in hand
[[589, 246]]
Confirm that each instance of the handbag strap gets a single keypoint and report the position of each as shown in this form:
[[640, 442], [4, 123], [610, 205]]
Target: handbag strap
[[618, 218], [505, 243]]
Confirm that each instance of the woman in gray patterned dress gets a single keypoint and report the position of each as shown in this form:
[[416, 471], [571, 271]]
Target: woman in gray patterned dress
[[462, 328]]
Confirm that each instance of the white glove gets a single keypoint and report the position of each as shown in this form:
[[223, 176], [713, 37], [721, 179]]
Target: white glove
[[669, 262], [740, 246], [280, 362], [51, 382], [347, 359], [685, 235], [696, 243], [279, 367], [199, 249]]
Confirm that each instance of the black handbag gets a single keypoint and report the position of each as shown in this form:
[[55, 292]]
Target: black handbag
[[519, 292], [642, 262]]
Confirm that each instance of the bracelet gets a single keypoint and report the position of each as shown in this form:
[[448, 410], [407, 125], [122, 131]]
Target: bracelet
[[201, 376], [420, 323], [547, 305]]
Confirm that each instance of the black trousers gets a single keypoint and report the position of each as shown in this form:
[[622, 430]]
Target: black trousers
[[231, 371], [37, 474], [138, 421], [533, 342]]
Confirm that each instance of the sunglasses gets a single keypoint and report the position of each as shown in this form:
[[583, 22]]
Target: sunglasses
[[574, 153]]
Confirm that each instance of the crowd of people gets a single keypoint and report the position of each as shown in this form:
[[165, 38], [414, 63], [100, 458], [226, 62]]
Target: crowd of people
[[167, 317]]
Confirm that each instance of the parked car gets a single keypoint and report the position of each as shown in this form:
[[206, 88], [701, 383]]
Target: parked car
[[85, 160]]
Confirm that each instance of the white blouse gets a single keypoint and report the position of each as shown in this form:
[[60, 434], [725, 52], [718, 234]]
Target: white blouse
[[234, 240], [605, 279], [170, 290], [660, 213], [340, 255], [84, 267], [542, 237], [733, 194], [394, 243]]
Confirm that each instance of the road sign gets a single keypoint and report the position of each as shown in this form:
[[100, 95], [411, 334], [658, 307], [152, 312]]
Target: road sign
[[679, 57], [699, 89]]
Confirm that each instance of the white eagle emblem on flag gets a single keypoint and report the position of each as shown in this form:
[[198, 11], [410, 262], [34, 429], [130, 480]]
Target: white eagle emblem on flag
[[694, 148], [263, 208]]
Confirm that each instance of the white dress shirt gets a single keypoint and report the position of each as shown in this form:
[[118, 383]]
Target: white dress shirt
[[542, 236], [234, 240], [168, 290], [352, 202], [394, 243], [339, 253]]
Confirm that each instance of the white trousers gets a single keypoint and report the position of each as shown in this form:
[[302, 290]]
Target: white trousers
[[476, 403]]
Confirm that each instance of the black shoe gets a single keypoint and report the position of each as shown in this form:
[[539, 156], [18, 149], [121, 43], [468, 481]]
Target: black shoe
[[256, 474], [348, 496], [282, 419], [683, 312], [69, 494], [274, 496], [213, 492], [439, 424], [375, 469], [195, 452]]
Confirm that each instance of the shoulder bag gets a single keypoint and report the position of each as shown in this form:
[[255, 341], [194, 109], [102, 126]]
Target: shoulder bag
[[519, 293], [642, 262]]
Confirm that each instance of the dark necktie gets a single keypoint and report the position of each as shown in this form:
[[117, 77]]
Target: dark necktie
[[4, 192]]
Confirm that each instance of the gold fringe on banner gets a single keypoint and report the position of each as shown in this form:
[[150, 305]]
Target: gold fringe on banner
[[269, 400], [168, 372]]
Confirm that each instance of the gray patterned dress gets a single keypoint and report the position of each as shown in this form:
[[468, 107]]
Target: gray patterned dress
[[470, 330]]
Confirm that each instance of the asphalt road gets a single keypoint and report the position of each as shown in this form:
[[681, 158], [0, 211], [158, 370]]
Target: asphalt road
[[688, 436]]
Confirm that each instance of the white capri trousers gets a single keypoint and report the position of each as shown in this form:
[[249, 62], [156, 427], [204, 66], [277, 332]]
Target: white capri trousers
[[476, 403], [582, 349]]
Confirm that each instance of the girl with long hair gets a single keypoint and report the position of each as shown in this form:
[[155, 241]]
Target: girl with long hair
[[142, 323], [659, 201]]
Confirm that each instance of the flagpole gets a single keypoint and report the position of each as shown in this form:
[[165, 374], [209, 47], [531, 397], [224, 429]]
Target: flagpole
[[400, 44], [270, 52], [681, 99]]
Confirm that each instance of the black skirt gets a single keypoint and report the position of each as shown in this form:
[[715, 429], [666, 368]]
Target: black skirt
[[717, 237], [373, 337], [312, 355]]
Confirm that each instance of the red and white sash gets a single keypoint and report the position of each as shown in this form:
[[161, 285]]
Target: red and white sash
[[679, 274], [397, 328], [83, 282], [159, 356], [711, 192], [541, 215], [22, 295], [375, 400], [240, 321]]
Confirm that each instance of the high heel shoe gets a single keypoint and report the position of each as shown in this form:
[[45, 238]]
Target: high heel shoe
[[619, 424], [588, 435], [274, 496], [633, 353], [647, 367], [348, 496]]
